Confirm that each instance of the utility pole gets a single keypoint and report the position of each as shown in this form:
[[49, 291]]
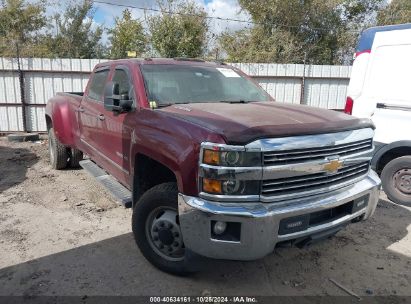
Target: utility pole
[[22, 90], [303, 81]]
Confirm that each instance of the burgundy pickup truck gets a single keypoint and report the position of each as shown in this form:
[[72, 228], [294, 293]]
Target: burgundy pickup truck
[[211, 165]]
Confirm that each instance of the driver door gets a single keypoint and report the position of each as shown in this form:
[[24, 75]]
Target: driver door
[[117, 129]]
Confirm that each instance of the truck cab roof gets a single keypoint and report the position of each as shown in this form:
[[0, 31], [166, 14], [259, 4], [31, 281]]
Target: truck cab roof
[[176, 61]]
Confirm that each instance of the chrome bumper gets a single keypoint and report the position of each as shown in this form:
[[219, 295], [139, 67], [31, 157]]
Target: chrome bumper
[[260, 222]]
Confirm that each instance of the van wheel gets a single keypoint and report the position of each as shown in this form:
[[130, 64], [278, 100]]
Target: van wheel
[[57, 152], [75, 157], [396, 180], [157, 231]]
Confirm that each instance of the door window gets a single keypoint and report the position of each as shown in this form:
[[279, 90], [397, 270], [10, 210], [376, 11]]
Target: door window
[[98, 82], [121, 77]]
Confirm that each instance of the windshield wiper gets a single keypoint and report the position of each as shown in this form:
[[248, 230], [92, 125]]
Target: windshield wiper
[[235, 101], [167, 104]]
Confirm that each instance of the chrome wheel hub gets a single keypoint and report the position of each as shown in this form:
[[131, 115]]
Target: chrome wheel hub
[[402, 180], [164, 235]]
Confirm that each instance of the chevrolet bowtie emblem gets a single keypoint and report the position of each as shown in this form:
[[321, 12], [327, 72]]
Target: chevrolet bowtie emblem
[[333, 166]]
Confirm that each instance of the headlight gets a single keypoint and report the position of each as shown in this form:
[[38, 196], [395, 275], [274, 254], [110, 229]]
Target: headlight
[[230, 187], [230, 172], [231, 158]]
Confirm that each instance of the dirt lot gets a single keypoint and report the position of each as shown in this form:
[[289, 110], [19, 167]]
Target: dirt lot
[[61, 234]]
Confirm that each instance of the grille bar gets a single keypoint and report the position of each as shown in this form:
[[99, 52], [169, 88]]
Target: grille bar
[[313, 181], [327, 148], [341, 153], [315, 176], [322, 152], [298, 155]]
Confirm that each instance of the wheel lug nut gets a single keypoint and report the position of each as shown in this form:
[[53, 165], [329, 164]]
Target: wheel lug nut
[[170, 249], [161, 246], [176, 234]]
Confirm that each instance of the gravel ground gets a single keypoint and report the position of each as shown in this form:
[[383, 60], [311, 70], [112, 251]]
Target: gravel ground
[[62, 234]]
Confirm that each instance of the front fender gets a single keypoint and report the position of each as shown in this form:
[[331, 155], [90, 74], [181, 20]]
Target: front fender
[[181, 164]]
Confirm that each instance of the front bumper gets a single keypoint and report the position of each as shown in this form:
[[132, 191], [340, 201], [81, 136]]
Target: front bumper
[[259, 223]]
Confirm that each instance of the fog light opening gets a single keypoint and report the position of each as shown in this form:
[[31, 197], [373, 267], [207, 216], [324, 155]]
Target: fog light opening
[[219, 227]]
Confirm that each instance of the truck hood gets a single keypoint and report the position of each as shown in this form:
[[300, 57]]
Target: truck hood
[[243, 123]]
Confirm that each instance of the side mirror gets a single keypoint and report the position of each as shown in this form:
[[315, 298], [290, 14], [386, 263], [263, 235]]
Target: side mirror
[[115, 102]]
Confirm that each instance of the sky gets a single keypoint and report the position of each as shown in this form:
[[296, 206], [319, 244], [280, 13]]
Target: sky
[[105, 13]]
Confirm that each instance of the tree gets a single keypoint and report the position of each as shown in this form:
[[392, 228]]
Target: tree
[[180, 30], [127, 35], [253, 45], [77, 36], [397, 12], [284, 31], [20, 24]]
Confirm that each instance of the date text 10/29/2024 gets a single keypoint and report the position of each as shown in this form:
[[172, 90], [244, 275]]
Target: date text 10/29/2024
[[203, 299]]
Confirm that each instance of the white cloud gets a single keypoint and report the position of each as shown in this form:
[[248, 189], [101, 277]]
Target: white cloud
[[112, 11], [224, 9], [228, 9], [105, 13], [215, 8]]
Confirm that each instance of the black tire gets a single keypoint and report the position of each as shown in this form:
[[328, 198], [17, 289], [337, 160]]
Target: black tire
[[57, 152], [160, 196], [75, 157], [396, 180]]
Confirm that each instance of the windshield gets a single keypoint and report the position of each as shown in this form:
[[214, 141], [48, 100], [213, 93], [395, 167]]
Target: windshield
[[169, 84]]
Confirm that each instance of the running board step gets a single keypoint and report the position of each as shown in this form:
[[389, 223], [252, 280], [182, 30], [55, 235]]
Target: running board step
[[120, 193]]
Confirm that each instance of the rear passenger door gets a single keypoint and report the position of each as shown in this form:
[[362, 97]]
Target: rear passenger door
[[90, 121]]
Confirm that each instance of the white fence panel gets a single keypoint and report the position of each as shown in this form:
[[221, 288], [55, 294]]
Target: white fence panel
[[9, 87], [324, 86], [282, 89], [326, 93], [11, 118], [40, 87]]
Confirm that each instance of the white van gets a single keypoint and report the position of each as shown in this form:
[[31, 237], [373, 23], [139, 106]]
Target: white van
[[380, 89]]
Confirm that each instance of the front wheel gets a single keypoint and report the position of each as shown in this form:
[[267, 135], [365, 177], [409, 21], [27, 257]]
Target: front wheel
[[157, 231], [396, 180]]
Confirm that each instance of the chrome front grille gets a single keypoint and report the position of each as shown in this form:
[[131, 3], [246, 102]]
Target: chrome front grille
[[314, 182], [274, 158], [295, 167]]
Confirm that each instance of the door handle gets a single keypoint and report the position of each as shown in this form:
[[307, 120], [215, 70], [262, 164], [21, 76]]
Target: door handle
[[101, 117], [80, 109]]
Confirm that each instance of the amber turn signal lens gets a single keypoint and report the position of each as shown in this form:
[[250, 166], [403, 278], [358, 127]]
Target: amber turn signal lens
[[211, 186], [211, 157]]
